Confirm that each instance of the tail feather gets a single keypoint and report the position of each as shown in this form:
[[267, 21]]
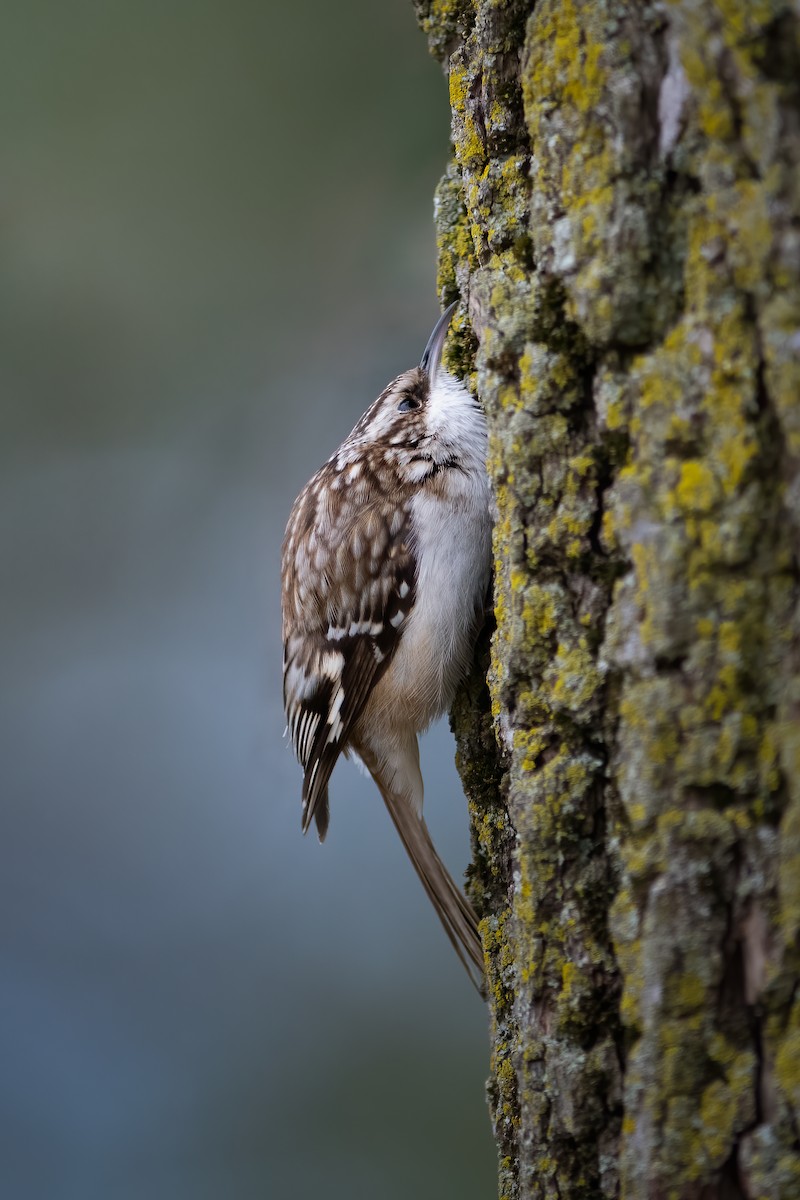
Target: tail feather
[[452, 907], [319, 813]]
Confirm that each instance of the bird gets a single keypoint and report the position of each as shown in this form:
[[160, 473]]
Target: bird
[[385, 566]]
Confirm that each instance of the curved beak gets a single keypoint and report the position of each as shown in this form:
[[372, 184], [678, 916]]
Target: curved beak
[[432, 356]]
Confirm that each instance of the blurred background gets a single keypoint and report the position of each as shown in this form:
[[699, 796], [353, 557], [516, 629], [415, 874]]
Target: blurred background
[[217, 247]]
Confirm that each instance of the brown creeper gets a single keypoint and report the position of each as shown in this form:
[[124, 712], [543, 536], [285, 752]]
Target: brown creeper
[[385, 567]]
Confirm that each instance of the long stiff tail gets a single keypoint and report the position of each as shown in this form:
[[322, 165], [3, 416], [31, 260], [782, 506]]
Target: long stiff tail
[[453, 909]]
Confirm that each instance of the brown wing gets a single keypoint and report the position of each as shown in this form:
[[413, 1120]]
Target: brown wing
[[348, 588]]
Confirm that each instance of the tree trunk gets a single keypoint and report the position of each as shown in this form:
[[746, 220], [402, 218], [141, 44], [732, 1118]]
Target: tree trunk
[[622, 220]]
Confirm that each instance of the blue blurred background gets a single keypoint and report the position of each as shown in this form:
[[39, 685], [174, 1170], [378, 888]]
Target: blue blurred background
[[217, 247]]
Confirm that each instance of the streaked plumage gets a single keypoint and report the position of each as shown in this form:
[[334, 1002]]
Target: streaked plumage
[[385, 570]]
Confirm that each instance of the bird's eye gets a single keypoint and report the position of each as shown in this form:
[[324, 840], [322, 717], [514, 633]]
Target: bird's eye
[[408, 404]]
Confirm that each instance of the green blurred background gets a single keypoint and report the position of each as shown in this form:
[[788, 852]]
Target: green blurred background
[[217, 247]]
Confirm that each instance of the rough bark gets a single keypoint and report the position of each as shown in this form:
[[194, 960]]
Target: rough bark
[[622, 221]]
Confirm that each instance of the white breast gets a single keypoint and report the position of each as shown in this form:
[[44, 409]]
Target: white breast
[[452, 540]]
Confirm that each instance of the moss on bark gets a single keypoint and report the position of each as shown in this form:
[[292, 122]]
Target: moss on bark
[[622, 222]]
